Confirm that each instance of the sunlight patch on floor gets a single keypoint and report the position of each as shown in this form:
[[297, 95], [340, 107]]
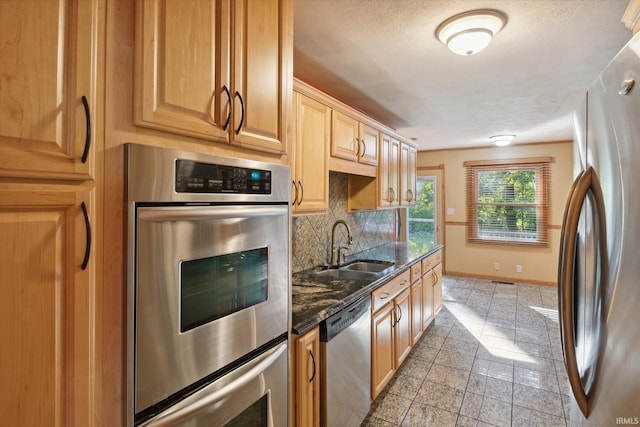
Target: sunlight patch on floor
[[496, 342]]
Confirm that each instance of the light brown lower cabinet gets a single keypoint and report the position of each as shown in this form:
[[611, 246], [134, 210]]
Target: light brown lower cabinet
[[47, 305], [417, 302], [391, 339], [437, 288], [306, 392]]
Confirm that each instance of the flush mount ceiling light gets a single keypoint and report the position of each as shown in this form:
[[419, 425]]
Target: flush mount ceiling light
[[470, 32], [502, 140]]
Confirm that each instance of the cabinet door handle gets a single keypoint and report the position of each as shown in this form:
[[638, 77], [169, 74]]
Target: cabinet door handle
[[226, 123], [295, 197], [435, 277], [364, 148], [242, 115], [393, 194], [409, 196], [87, 249], [313, 360], [87, 140], [357, 148], [400, 316], [301, 193]]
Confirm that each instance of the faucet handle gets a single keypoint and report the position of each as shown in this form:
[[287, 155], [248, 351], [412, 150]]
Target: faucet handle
[[342, 260]]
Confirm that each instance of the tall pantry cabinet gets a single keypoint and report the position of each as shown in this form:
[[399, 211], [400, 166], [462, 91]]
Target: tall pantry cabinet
[[50, 69]]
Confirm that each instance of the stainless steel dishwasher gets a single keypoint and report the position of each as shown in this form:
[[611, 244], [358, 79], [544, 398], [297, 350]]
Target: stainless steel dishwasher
[[345, 346]]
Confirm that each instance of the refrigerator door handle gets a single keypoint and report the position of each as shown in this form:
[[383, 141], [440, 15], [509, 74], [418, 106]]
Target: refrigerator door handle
[[585, 183]]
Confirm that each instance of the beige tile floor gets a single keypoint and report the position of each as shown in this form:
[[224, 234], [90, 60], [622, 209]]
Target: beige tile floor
[[491, 357]]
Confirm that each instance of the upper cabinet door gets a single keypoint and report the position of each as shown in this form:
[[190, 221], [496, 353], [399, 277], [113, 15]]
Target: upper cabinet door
[[344, 136], [263, 73], [369, 138], [408, 175], [216, 69], [48, 74], [182, 76], [311, 154]]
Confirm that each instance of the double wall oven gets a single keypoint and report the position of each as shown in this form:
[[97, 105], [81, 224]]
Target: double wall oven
[[208, 289]]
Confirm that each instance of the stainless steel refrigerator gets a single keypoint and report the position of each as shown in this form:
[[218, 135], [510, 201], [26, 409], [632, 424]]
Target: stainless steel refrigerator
[[599, 266]]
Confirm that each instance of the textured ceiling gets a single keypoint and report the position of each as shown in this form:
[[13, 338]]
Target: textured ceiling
[[382, 57]]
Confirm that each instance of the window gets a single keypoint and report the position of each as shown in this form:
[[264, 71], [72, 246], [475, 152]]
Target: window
[[421, 218], [508, 201]]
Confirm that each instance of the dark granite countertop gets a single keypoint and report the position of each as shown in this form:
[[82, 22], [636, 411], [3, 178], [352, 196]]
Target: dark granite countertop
[[315, 298]]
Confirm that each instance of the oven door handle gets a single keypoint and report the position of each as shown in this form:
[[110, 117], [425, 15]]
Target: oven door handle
[[181, 411], [185, 213]]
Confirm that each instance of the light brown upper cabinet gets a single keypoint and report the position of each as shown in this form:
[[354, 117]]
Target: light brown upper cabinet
[[353, 140], [310, 155], [216, 69], [408, 159], [389, 172], [49, 72], [395, 184]]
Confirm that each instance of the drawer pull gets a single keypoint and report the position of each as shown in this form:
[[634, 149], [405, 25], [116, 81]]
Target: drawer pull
[[384, 295]]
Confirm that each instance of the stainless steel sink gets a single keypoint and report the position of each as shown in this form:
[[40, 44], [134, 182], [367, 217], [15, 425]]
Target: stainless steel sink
[[376, 267], [338, 273], [357, 270]]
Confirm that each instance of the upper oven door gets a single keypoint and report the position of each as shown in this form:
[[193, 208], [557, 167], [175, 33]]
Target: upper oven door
[[211, 285]]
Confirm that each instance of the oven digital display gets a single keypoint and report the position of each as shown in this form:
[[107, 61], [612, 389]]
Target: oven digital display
[[215, 287], [198, 177]]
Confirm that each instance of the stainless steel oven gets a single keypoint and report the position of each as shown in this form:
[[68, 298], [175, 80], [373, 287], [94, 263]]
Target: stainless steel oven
[[208, 289]]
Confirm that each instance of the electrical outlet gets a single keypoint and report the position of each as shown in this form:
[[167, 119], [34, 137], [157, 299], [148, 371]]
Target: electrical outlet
[[496, 266], [518, 268]]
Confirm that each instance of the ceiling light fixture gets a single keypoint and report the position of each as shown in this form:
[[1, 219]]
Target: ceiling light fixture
[[502, 140], [470, 32]]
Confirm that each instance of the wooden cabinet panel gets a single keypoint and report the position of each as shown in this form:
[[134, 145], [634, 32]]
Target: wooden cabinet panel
[[344, 136], [388, 178], [307, 379], [437, 288], [311, 155], [417, 300], [262, 73], [182, 80], [200, 74], [402, 328], [427, 300], [382, 351], [46, 307], [353, 140], [408, 158], [369, 137], [50, 56], [408, 175]]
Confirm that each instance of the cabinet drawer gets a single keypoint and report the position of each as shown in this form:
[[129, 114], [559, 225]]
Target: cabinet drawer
[[416, 271], [431, 261], [389, 290]]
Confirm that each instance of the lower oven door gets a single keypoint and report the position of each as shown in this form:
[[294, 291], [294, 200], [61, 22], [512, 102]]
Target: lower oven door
[[253, 395], [211, 286]]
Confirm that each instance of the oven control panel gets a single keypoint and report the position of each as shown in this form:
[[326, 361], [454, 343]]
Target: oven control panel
[[198, 177]]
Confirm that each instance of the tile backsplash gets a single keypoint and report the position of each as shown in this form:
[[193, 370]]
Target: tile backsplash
[[312, 233]]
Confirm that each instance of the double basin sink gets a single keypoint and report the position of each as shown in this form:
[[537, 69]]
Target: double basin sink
[[357, 270]]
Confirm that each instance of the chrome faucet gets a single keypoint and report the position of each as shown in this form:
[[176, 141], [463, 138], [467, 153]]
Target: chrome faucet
[[333, 238]]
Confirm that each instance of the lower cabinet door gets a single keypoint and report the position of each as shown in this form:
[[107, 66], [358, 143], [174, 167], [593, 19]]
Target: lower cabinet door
[[402, 328], [382, 352], [417, 300], [427, 300], [307, 379], [437, 289]]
